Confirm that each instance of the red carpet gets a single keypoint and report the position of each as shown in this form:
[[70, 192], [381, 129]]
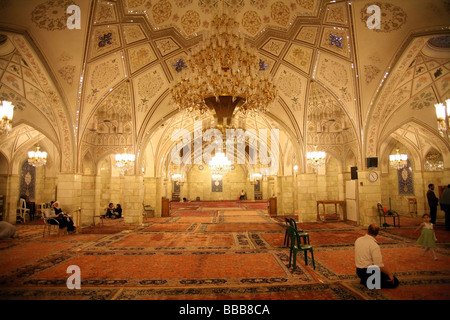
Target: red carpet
[[211, 254]]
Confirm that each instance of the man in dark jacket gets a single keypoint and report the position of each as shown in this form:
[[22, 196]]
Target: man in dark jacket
[[433, 202], [445, 205]]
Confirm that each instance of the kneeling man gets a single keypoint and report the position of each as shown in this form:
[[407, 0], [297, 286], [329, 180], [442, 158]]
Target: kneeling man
[[368, 253]]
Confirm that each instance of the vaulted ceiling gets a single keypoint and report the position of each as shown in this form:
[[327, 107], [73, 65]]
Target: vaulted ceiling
[[342, 85]]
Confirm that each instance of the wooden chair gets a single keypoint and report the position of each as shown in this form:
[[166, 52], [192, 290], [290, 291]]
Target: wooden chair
[[296, 246], [148, 211]]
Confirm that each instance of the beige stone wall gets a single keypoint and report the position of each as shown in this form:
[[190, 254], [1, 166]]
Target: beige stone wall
[[296, 195], [400, 203], [369, 194], [198, 184]]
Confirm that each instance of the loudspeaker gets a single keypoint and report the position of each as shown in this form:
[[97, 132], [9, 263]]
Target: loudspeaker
[[372, 162], [354, 173]]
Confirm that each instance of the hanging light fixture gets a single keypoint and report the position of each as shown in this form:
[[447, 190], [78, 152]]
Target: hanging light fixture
[[442, 114], [219, 164], [398, 161], [433, 161], [6, 116], [315, 159], [125, 161], [223, 73], [176, 177], [37, 158]]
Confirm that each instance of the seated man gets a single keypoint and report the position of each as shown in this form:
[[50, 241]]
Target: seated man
[[64, 220], [109, 210], [368, 253]]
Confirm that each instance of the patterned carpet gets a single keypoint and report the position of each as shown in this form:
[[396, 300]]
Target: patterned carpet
[[203, 252]]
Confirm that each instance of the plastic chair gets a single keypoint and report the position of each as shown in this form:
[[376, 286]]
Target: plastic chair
[[23, 210], [286, 233], [302, 234], [296, 246]]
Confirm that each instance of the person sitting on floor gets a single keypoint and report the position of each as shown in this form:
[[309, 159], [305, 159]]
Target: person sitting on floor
[[64, 220], [109, 210], [368, 253], [7, 230], [117, 213]]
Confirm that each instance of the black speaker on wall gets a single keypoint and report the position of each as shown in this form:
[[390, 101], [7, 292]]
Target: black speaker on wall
[[354, 173], [372, 162]]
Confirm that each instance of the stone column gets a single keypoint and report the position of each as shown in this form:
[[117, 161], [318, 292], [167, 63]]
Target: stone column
[[159, 194], [369, 194], [295, 195], [12, 198], [132, 195], [88, 199], [69, 187], [307, 197]]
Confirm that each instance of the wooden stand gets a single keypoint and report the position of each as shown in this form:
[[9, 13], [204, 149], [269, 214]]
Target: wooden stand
[[336, 212], [273, 206], [412, 205], [76, 217], [165, 207]]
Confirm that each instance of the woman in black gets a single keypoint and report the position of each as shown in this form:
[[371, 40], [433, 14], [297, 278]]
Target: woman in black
[[64, 219]]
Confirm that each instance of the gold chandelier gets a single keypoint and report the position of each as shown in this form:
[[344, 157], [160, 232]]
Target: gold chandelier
[[37, 158], [222, 74], [316, 159], [6, 116], [398, 161], [125, 161], [443, 114], [219, 165]]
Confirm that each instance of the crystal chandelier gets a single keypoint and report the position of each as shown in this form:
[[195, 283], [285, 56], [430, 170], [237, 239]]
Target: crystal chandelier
[[442, 114], [176, 177], [222, 74], [315, 159], [398, 161], [125, 161], [37, 158], [6, 116], [433, 161], [219, 164]]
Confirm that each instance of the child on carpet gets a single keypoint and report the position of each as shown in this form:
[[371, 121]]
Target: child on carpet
[[427, 237]]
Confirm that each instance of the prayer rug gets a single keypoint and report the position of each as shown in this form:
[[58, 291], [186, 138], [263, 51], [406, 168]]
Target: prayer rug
[[241, 213], [238, 227], [236, 253], [189, 213], [442, 236], [172, 227], [404, 261], [408, 289], [178, 241], [173, 269], [254, 205], [262, 292]]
